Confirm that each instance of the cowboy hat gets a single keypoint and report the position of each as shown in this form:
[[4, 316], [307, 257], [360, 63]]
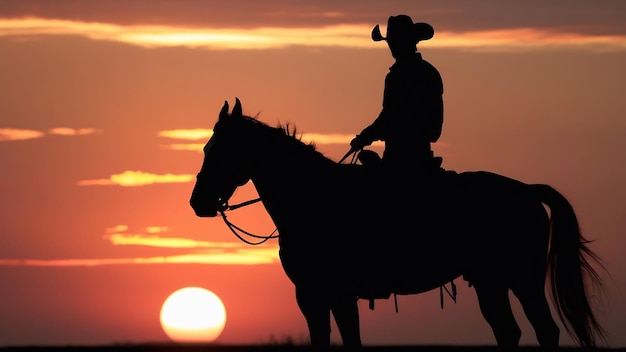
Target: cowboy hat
[[402, 28]]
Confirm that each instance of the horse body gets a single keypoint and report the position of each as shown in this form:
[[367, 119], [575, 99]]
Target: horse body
[[345, 235], [373, 241]]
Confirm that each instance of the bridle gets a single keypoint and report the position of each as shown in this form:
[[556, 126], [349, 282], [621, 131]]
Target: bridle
[[236, 230]]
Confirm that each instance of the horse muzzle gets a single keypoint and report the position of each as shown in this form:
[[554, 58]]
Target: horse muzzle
[[205, 213], [204, 209], [207, 202]]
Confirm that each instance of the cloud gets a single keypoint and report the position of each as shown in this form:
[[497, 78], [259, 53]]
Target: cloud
[[521, 39], [194, 147], [156, 229], [165, 242], [187, 134], [239, 257], [576, 16], [119, 236], [14, 134], [345, 35], [151, 36], [204, 252], [137, 178], [66, 131], [331, 138]]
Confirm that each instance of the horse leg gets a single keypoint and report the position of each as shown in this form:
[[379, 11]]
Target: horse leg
[[533, 300], [346, 313], [317, 314], [495, 306]]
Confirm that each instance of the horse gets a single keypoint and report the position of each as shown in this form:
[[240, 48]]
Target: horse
[[343, 237]]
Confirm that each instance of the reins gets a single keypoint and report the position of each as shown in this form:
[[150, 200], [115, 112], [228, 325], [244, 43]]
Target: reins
[[354, 156], [236, 229]]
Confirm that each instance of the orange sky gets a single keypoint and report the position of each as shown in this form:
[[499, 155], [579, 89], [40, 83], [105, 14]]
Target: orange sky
[[106, 105]]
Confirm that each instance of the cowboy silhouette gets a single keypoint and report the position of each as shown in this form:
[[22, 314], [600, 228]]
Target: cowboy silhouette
[[412, 114]]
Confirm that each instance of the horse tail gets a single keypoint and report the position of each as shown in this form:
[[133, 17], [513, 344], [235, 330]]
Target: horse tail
[[570, 270]]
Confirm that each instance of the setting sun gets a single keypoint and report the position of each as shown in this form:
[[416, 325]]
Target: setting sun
[[193, 314]]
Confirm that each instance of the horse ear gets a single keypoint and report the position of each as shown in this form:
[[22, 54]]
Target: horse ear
[[224, 111], [237, 112]]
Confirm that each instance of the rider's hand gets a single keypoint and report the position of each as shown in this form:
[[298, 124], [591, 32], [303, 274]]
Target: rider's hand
[[359, 142]]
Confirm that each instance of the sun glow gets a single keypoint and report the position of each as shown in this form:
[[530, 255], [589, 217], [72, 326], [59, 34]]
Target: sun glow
[[193, 315]]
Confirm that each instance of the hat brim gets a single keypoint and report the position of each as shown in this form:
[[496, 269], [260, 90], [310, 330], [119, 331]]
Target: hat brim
[[377, 36], [423, 31]]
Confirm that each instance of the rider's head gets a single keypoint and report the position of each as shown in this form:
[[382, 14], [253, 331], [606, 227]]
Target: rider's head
[[403, 35]]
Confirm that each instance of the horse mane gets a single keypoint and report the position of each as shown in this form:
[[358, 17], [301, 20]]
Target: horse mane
[[287, 132]]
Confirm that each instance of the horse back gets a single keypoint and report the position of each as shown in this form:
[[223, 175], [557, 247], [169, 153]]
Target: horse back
[[450, 225]]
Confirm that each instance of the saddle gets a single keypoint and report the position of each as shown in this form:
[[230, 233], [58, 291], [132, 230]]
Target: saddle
[[432, 185], [371, 159]]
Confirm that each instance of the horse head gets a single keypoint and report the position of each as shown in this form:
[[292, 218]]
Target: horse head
[[224, 167]]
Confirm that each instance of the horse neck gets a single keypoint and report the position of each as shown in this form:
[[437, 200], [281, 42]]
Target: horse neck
[[286, 170], [282, 160]]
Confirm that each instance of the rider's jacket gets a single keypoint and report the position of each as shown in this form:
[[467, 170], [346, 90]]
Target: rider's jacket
[[412, 113]]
